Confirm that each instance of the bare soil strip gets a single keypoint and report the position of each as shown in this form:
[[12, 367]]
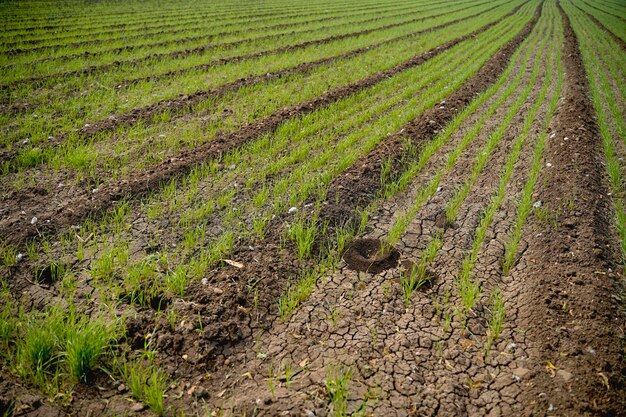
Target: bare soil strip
[[17, 226], [569, 307]]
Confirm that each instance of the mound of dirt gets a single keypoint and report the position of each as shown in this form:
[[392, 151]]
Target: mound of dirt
[[370, 255]]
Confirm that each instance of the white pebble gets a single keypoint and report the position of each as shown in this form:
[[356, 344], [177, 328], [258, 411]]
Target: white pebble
[[204, 281], [293, 210], [33, 220], [95, 190], [537, 204], [19, 257], [548, 164]]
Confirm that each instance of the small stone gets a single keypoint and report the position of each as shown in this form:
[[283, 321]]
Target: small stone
[[121, 388], [309, 413], [259, 401], [566, 138], [564, 375], [185, 357], [204, 281], [33, 220], [537, 204], [548, 164], [233, 166], [95, 190], [25, 141], [19, 257], [293, 210], [137, 407], [218, 291]]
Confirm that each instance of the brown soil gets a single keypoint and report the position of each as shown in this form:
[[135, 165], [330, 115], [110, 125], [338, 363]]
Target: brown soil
[[370, 255], [76, 205], [569, 305]]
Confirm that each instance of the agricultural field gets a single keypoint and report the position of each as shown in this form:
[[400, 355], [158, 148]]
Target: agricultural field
[[313, 208]]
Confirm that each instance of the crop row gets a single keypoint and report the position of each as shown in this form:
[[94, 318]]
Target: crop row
[[605, 65], [611, 22]]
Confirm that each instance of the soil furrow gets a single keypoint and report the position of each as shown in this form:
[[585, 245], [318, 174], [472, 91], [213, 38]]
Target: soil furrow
[[568, 305]]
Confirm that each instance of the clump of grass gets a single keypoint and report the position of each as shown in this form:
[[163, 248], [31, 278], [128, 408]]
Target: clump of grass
[[418, 275], [303, 232], [85, 344], [55, 347], [337, 381], [497, 318], [146, 383]]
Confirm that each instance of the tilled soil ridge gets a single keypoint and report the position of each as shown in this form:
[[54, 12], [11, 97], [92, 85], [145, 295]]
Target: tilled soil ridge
[[570, 308]]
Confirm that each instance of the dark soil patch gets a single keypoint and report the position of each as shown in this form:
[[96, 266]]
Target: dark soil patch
[[569, 305], [370, 255]]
